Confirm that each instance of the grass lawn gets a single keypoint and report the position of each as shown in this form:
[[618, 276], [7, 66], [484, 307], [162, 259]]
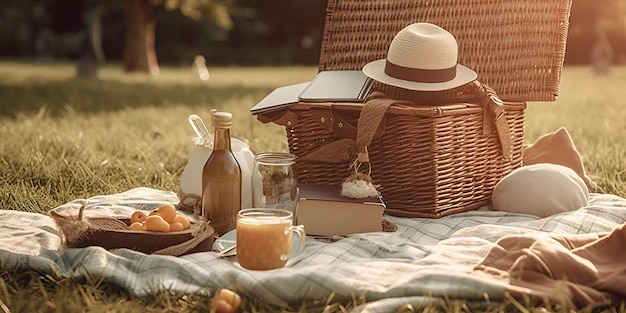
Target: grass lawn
[[63, 138]]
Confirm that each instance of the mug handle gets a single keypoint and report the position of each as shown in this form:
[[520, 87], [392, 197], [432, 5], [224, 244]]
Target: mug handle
[[302, 233]]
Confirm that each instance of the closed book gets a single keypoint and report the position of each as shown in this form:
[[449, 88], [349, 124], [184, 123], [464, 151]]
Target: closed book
[[279, 98], [325, 212]]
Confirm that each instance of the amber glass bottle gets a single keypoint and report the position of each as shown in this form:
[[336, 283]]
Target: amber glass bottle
[[221, 179]]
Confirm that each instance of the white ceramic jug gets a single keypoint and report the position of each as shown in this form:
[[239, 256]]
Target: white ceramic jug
[[191, 180]]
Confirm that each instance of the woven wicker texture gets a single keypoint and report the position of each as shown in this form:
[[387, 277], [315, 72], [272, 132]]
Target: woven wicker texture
[[430, 160], [516, 47], [444, 153]]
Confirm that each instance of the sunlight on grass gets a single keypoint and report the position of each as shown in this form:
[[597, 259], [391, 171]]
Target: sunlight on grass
[[592, 108], [16, 73], [63, 138]]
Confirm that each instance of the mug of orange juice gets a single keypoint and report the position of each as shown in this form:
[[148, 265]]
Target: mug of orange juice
[[264, 238]]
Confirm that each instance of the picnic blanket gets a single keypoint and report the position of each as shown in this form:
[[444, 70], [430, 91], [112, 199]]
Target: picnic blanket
[[424, 260]]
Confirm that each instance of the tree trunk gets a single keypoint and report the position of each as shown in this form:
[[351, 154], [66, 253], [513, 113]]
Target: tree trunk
[[139, 52]]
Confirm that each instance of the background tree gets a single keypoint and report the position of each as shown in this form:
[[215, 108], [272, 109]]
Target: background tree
[[139, 49], [255, 32]]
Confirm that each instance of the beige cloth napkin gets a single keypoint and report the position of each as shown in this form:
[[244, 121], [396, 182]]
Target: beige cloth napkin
[[576, 270], [556, 148]]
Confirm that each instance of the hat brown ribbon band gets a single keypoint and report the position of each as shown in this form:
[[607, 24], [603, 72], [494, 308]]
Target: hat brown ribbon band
[[419, 75]]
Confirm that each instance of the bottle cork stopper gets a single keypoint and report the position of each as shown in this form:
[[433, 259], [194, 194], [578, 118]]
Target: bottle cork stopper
[[222, 119]]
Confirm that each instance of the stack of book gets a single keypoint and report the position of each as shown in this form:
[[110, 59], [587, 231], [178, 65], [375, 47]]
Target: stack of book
[[325, 212]]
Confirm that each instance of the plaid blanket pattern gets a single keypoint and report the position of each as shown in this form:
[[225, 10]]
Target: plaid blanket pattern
[[426, 259]]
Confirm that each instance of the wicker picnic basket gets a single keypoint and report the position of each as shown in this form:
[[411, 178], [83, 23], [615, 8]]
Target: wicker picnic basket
[[445, 152]]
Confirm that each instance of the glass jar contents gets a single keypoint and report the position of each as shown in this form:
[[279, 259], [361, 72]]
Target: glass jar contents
[[274, 181]]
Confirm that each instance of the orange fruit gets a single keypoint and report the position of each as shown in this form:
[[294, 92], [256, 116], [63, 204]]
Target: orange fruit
[[183, 220], [167, 212], [225, 301], [157, 223], [176, 226], [138, 216], [222, 306], [137, 226]]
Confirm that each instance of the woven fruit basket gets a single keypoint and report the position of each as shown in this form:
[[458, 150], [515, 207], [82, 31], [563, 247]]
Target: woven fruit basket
[[80, 231], [434, 153]]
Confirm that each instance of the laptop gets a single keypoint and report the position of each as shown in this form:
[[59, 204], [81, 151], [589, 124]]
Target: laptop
[[326, 86], [337, 86]]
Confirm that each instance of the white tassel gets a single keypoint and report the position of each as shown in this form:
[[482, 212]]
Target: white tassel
[[359, 189]]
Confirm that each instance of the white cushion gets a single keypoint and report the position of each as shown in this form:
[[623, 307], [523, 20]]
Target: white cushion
[[540, 189]]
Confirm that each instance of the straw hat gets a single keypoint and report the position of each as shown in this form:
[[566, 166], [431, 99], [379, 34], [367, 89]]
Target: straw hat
[[422, 57]]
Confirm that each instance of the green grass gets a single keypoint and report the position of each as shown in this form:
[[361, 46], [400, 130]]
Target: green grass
[[60, 136], [592, 108], [63, 138]]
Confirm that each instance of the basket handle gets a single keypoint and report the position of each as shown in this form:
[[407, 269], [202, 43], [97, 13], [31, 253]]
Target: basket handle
[[495, 113], [372, 115]]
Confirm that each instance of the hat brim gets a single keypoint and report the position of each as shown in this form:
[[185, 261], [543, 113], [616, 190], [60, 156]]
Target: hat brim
[[376, 71]]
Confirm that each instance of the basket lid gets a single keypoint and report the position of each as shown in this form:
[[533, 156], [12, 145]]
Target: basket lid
[[516, 47]]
